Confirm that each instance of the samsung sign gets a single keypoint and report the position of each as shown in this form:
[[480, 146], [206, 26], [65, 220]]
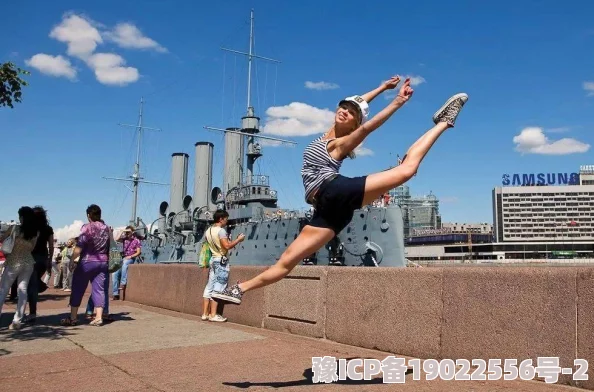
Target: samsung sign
[[541, 179]]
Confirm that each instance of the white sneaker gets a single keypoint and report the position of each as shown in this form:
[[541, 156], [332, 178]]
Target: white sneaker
[[204, 317], [449, 111], [217, 318]]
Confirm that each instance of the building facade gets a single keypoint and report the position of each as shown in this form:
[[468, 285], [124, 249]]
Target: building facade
[[536, 217], [419, 212], [543, 213], [478, 228], [587, 175]]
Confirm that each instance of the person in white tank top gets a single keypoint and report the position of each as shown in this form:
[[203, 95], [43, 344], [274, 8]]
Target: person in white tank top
[[336, 197], [19, 262]]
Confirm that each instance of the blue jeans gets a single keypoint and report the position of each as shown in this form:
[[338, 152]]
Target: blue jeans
[[91, 304], [120, 277], [218, 277]]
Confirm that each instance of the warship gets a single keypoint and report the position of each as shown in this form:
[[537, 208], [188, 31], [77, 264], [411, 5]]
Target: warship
[[374, 237]]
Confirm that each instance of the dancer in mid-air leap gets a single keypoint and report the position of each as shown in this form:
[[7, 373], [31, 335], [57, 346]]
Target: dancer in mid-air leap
[[336, 197]]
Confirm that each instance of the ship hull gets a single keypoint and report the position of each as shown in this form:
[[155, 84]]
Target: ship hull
[[374, 237]]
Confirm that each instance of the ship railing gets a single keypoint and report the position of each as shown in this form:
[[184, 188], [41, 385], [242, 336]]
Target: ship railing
[[256, 179], [252, 191]]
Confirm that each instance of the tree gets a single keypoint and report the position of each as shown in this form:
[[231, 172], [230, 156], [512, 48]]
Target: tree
[[10, 84]]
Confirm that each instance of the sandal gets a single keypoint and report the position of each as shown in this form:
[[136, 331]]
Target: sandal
[[96, 323], [68, 322], [90, 316]]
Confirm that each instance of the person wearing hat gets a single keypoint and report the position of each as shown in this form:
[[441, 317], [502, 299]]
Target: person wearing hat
[[132, 249], [336, 197]]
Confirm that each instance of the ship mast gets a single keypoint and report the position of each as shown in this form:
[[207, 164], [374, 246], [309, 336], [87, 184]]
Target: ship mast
[[249, 130], [250, 55], [135, 178], [250, 122]]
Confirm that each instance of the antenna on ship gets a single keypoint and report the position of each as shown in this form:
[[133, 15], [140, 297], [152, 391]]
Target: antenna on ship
[[135, 178], [236, 188], [250, 110]]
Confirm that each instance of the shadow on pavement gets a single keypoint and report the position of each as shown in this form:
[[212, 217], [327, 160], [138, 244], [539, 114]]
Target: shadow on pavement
[[307, 380], [48, 327]]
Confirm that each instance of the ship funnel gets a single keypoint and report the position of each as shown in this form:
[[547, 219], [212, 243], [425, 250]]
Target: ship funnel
[[179, 182], [203, 176], [162, 223], [233, 160]]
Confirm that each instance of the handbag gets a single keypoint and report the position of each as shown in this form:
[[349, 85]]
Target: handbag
[[8, 242], [115, 255], [205, 255]]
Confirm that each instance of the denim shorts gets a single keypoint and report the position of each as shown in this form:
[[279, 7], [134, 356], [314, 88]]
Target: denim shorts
[[218, 277]]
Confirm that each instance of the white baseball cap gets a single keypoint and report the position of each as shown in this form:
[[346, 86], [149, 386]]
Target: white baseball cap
[[361, 104]]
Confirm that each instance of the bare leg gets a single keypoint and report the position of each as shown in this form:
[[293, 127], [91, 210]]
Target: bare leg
[[98, 314], [73, 312], [214, 305], [379, 183], [205, 306], [309, 241]]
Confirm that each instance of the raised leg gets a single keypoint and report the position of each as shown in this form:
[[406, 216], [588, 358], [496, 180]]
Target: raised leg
[[378, 184], [310, 240]]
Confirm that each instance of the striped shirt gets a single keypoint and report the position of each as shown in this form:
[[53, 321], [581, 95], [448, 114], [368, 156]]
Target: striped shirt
[[318, 165]]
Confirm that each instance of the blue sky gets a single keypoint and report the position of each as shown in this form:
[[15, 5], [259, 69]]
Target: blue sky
[[527, 67]]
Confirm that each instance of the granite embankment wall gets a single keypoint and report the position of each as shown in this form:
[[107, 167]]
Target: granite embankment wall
[[440, 312]]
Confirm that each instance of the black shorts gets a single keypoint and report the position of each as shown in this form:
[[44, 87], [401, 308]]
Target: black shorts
[[337, 201]]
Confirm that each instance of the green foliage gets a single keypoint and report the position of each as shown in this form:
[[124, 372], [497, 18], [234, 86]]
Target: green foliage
[[10, 84]]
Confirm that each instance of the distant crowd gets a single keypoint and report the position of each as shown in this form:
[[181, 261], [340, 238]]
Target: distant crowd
[[31, 255]]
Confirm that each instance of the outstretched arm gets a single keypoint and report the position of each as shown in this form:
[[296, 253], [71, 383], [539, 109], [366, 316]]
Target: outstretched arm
[[341, 147], [387, 85]]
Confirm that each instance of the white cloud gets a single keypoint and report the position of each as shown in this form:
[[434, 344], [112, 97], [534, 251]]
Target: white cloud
[[361, 151], [415, 80], [532, 140], [449, 199], [109, 69], [83, 35], [321, 85], [272, 143], [300, 119], [127, 35], [70, 231], [117, 76], [297, 119], [52, 65], [589, 87], [79, 33]]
